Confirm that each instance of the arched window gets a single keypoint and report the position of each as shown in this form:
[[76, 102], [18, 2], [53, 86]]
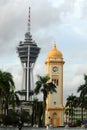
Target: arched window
[[55, 81], [54, 115]]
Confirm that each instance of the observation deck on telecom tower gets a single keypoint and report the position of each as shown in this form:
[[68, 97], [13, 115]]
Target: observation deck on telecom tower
[[28, 52]]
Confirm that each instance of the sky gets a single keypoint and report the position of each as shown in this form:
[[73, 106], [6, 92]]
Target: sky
[[62, 21]]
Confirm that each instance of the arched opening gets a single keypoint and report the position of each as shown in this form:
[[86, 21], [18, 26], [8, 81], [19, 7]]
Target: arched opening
[[54, 119]]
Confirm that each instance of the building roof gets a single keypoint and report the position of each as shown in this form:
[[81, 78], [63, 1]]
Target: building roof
[[54, 53]]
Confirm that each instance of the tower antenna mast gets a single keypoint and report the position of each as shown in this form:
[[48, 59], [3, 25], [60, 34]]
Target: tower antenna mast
[[29, 21], [28, 52]]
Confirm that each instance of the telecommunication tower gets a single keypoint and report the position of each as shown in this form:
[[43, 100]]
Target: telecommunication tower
[[28, 52]]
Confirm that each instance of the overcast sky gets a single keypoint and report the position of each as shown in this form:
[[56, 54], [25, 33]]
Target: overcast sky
[[62, 21]]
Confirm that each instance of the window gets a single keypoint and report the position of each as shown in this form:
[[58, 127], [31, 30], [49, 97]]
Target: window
[[54, 102], [55, 81]]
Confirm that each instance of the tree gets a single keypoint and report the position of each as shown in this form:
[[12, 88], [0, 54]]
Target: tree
[[82, 89], [11, 99], [7, 94], [24, 116], [6, 84], [44, 86], [71, 103], [37, 107], [11, 119], [66, 113]]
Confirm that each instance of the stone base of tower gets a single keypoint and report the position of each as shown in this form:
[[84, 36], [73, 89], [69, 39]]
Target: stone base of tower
[[54, 117]]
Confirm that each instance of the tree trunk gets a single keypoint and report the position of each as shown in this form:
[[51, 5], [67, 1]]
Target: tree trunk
[[44, 107], [82, 114]]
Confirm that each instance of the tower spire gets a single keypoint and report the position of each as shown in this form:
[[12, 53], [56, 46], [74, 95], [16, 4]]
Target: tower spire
[[29, 20]]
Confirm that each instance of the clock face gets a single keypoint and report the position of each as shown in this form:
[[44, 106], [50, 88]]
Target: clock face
[[55, 69]]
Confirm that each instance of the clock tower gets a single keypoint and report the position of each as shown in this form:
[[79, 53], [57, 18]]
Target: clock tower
[[54, 104]]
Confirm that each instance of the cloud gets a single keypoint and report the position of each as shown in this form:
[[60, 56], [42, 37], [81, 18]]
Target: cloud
[[51, 16], [48, 17], [45, 18], [81, 30], [73, 78], [10, 24], [15, 69], [3, 2], [84, 9]]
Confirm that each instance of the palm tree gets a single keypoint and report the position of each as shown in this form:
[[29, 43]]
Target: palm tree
[[71, 103], [7, 87], [82, 89], [83, 93], [6, 82], [66, 113], [82, 103], [12, 99], [44, 86]]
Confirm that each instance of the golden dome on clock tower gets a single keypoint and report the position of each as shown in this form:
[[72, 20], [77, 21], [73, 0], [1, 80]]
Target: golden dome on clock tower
[[54, 102], [54, 53]]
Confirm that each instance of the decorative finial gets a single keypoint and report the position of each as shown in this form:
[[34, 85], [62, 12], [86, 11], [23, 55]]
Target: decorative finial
[[29, 20], [54, 44]]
